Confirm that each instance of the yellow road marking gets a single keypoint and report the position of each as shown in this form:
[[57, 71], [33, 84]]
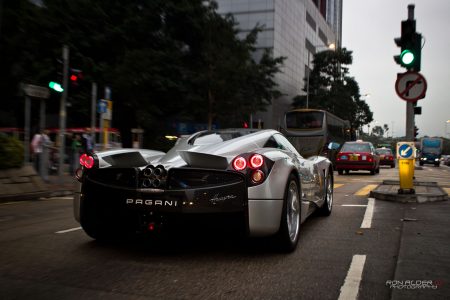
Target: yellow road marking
[[447, 190], [366, 190], [336, 185]]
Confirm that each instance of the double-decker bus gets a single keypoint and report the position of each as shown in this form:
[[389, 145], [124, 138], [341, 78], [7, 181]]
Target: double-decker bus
[[316, 132]]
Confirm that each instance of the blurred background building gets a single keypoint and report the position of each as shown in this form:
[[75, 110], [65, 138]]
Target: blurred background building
[[292, 28]]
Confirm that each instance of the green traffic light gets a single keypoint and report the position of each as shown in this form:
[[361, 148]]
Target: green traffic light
[[55, 86], [407, 57]]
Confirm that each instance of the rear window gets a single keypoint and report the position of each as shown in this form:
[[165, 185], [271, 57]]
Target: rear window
[[304, 120], [384, 151], [356, 147], [214, 137]]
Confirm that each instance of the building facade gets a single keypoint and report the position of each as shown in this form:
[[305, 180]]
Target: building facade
[[291, 28]]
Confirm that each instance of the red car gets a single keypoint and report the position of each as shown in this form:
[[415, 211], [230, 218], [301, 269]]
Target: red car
[[386, 157], [355, 156]]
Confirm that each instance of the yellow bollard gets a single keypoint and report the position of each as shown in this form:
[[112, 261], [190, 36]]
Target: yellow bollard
[[406, 173]]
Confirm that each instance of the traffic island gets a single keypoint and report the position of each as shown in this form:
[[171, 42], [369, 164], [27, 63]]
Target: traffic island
[[424, 192]]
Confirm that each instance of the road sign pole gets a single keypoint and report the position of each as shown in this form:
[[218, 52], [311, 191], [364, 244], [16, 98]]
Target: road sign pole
[[93, 111], [62, 113], [26, 139]]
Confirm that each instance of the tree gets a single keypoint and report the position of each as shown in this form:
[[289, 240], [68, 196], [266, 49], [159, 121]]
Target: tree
[[386, 129], [165, 61], [331, 89], [378, 131]]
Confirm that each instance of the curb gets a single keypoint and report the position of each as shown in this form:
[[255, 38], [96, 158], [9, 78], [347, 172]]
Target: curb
[[388, 191]]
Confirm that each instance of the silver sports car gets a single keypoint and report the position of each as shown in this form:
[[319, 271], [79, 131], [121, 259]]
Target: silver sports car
[[256, 177]]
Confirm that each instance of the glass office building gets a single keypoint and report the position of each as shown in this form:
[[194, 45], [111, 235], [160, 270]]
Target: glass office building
[[292, 28]]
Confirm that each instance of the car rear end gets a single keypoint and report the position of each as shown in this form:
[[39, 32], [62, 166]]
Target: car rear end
[[117, 201], [386, 157], [356, 156]]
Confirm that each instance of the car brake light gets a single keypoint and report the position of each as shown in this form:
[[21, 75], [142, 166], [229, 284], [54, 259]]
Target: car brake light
[[369, 158], [87, 161], [239, 163], [256, 161]]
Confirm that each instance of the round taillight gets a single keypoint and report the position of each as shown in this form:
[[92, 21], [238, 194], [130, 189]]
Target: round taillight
[[256, 161], [257, 176], [239, 163], [87, 161]]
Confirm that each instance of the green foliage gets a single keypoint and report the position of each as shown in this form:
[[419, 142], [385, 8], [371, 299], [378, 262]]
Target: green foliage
[[165, 60], [331, 89], [11, 152]]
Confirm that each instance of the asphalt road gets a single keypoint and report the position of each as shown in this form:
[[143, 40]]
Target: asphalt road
[[351, 254]]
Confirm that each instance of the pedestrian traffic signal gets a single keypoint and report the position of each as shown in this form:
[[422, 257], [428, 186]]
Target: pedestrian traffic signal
[[411, 47], [416, 131], [55, 86]]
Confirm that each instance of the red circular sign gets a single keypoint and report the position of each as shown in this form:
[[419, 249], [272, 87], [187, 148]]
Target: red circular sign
[[411, 86]]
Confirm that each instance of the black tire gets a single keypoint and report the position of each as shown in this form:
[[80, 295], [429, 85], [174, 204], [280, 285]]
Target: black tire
[[340, 172], [421, 163], [392, 166], [328, 196], [372, 172], [347, 172], [287, 236]]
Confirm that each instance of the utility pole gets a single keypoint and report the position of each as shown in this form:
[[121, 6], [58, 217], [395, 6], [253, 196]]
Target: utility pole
[[93, 111], [62, 111]]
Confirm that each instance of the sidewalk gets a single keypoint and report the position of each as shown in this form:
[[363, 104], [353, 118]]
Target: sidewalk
[[422, 270], [61, 186], [25, 184]]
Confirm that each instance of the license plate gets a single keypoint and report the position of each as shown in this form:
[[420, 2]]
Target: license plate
[[353, 157]]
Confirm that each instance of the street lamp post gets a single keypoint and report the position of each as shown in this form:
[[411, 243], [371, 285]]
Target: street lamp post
[[447, 134], [331, 46]]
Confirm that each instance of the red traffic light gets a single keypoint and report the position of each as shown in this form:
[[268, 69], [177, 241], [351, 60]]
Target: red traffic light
[[75, 76]]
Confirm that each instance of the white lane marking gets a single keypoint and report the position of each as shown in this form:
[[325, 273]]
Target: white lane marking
[[354, 205], [69, 230], [349, 289], [367, 221]]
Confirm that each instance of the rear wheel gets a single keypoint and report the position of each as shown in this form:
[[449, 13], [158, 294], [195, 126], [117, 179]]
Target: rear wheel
[[340, 172], [287, 236]]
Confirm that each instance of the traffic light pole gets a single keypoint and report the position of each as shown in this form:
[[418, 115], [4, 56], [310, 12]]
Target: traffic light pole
[[410, 121], [409, 105], [62, 112]]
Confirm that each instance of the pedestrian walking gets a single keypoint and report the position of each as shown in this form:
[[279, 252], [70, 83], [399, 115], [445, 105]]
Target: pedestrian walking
[[36, 150], [39, 145], [76, 149], [86, 141]]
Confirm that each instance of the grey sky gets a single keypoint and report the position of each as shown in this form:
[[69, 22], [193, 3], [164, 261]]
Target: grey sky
[[369, 29]]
